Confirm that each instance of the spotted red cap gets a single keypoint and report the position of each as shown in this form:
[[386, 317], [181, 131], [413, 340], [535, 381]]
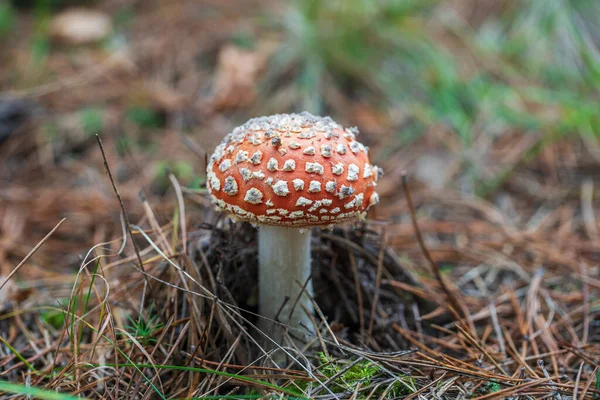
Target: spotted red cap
[[292, 169]]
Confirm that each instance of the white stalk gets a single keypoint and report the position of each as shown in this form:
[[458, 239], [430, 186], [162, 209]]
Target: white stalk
[[284, 266]]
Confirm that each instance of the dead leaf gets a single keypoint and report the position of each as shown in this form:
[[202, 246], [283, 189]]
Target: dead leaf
[[80, 26], [237, 72]]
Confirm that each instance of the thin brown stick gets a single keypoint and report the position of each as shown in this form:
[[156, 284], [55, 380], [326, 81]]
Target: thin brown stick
[[358, 289], [589, 383], [31, 253], [116, 190], [434, 267], [578, 379], [181, 205], [377, 284], [480, 348]]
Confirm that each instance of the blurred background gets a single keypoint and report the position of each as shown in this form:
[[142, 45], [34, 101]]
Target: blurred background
[[494, 103]]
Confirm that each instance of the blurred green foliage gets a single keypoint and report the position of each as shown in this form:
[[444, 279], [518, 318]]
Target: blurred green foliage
[[92, 120], [54, 317], [365, 46], [183, 171], [530, 67], [50, 4], [144, 117], [385, 52], [7, 18]]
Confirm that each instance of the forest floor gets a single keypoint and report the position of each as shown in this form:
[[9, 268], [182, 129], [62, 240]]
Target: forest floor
[[499, 140]]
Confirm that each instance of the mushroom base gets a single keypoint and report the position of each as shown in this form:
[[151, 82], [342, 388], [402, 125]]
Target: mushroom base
[[284, 267]]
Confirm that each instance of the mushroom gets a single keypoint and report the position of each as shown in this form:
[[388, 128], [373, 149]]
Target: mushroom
[[285, 174]]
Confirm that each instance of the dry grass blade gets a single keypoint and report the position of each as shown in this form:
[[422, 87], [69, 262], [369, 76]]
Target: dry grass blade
[[433, 265], [31, 253], [123, 211]]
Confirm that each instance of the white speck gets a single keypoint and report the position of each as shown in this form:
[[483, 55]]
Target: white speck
[[314, 187], [325, 217], [282, 151], [255, 139], [225, 165], [323, 211], [296, 214], [282, 211], [356, 202], [303, 202], [298, 184], [358, 199], [256, 157], [269, 203], [345, 191], [271, 211], [294, 145], [238, 210], [353, 172], [374, 199], [316, 205], [340, 148], [281, 188], [289, 165], [269, 180], [272, 165], [253, 195], [331, 186], [314, 168], [335, 210], [368, 171], [230, 187], [326, 150], [337, 169], [354, 147], [307, 134], [241, 156], [215, 183], [378, 172], [327, 202], [258, 175], [309, 151], [270, 133], [246, 174], [230, 149]]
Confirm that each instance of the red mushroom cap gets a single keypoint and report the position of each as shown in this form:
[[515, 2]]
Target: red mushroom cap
[[292, 169]]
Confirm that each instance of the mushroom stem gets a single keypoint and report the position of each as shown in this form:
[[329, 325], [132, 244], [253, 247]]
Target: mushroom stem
[[284, 266]]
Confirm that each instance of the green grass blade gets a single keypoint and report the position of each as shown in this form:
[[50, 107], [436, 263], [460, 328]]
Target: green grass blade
[[37, 393], [212, 371], [87, 298], [18, 355]]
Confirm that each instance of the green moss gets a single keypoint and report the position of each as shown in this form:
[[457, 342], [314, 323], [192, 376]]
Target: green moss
[[348, 375]]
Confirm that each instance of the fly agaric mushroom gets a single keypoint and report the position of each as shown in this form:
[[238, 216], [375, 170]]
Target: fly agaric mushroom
[[286, 173]]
